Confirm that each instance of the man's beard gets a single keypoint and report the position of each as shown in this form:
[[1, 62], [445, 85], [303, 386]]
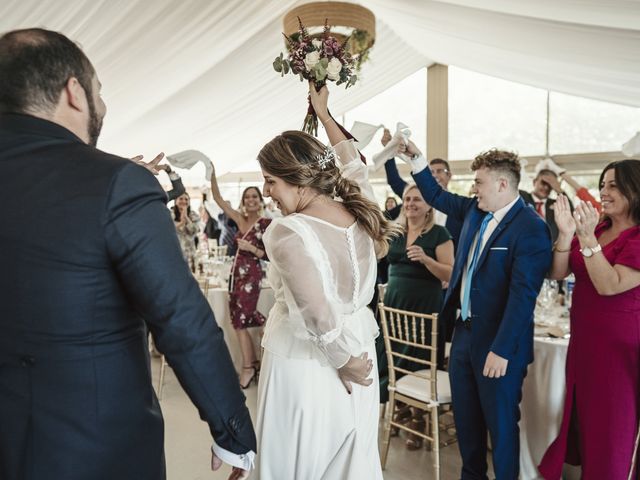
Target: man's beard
[[94, 125]]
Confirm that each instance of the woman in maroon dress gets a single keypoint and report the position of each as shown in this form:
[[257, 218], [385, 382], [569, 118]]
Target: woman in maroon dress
[[601, 415], [246, 274]]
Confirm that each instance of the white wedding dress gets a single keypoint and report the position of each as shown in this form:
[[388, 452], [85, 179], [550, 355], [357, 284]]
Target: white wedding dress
[[323, 276]]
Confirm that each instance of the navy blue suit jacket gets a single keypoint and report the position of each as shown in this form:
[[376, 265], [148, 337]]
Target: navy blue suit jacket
[[397, 184], [89, 259], [508, 277]]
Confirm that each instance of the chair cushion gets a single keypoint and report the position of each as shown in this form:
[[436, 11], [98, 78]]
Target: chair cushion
[[419, 388]]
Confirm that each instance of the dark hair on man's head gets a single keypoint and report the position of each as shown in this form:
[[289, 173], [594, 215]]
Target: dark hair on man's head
[[441, 161], [35, 65], [500, 161], [627, 176]]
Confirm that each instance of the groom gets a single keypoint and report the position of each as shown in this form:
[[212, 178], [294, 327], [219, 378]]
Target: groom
[[504, 252], [90, 259]]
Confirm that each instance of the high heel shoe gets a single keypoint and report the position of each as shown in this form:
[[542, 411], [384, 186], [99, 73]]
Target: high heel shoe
[[251, 379], [256, 366]]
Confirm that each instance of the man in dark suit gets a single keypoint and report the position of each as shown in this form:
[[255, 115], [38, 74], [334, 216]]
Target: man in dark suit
[[503, 254], [90, 259], [545, 181]]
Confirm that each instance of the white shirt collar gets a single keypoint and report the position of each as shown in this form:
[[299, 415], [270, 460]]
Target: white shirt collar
[[537, 199], [498, 215]]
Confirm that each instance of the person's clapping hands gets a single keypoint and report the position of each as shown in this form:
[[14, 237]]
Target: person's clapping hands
[[153, 166], [586, 218], [356, 370], [563, 217]]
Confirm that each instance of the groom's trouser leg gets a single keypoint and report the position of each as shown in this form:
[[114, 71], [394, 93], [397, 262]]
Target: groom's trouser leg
[[500, 398], [467, 411]]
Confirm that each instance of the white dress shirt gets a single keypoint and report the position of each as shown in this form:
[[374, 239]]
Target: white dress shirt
[[441, 218], [243, 461], [498, 215]]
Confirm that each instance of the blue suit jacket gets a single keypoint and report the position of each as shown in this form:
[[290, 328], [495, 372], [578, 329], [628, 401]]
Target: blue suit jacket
[[509, 273], [90, 259]]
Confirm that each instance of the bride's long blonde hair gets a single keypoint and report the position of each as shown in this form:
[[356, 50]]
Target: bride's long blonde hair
[[292, 156]]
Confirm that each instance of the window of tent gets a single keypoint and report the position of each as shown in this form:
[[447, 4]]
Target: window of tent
[[583, 125], [487, 112]]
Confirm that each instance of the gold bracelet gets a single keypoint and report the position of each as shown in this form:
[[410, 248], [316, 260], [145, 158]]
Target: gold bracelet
[[556, 249]]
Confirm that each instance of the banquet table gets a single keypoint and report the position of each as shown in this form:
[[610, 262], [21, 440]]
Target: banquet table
[[541, 408], [219, 301]]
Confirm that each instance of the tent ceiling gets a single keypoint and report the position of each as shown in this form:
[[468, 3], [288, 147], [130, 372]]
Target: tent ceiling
[[197, 73]]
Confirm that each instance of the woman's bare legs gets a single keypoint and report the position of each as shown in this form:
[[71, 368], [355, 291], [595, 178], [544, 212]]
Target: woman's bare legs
[[248, 356]]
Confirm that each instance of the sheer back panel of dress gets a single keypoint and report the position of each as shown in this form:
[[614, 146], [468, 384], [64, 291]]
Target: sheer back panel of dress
[[323, 276]]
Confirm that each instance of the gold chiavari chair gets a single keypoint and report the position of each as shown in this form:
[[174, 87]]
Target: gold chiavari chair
[[427, 389]]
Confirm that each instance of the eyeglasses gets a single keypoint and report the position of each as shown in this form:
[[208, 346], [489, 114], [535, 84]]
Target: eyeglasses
[[439, 170]]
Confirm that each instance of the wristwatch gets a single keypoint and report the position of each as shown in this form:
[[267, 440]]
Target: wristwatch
[[590, 251]]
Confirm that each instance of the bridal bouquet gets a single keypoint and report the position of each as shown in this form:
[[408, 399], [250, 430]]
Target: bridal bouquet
[[321, 60]]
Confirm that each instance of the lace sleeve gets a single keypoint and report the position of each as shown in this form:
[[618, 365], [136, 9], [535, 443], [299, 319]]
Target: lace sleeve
[[308, 290], [353, 168]]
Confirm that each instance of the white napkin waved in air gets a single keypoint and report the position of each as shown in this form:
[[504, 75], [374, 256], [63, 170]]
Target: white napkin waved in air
[[364, 132], [402, 135], [188, 158], [632, 147]]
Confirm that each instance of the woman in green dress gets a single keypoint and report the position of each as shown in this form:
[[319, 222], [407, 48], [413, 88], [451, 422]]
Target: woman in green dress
[[420, 263]]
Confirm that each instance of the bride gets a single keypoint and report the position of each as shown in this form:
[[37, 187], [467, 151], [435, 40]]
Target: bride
[[317, 414]]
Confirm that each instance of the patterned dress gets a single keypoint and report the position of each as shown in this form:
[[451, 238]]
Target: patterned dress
[[186, 236], [245, 283]]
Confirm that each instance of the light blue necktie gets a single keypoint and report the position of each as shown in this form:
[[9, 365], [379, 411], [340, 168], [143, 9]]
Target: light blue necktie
[[466, 294]]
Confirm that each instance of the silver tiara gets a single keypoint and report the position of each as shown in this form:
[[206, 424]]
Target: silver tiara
[[326, 158]]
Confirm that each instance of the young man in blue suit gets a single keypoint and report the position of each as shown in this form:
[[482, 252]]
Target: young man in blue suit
[[503, 254], [90, 259]]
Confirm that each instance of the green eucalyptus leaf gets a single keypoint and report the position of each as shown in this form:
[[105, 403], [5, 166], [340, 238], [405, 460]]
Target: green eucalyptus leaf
[[321, 75]]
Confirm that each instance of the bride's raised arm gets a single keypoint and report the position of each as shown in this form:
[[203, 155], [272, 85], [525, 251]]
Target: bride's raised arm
[[348, 154]]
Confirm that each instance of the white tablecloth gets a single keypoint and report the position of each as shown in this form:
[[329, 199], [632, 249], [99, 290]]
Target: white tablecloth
[[219, 301], [543, 395]]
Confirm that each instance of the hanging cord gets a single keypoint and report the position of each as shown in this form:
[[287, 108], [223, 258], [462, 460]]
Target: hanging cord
[[546, 142]]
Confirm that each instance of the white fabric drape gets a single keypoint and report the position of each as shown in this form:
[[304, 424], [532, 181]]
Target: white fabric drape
[[197, 74]]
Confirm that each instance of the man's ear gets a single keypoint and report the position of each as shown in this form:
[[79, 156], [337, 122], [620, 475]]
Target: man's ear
[[75, 95]]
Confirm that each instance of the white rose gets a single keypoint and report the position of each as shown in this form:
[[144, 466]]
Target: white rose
[[317, 44], [311, 59], [333, 69]]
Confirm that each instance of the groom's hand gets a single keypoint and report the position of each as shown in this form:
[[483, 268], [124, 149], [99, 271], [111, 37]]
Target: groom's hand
[[236, 473]]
